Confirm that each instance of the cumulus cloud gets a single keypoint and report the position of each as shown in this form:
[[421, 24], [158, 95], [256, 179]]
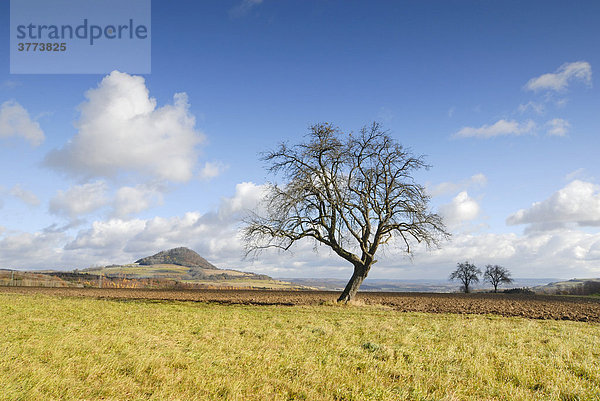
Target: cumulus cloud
[[80, 199], [562, 253], [577, 203], [462, 208], [121, 130], [499, 128], [26, 196], [448, 187], [211, 170], [248, 196], [15, 121], [558, 127], [214, 234], [580, 71], [131, 200], [31, 250], [108, 235]]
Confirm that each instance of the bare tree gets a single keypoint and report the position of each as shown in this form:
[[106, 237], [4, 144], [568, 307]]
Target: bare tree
[[497, 275], [466, 273], [351, 193]]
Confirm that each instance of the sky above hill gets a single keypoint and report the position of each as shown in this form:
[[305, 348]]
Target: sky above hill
[[500, 96]]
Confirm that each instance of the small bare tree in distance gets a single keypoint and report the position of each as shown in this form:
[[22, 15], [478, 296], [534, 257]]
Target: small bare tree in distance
[[351, 193], [496, 275], [466, 273]]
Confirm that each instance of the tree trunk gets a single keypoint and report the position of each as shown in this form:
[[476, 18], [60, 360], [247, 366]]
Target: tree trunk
[[359, 275]]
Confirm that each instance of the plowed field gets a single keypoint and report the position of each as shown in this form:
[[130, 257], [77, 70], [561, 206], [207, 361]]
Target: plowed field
[[529, 306]]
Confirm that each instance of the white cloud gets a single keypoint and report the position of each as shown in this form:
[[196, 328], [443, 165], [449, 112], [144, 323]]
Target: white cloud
[[80, 199], [575, 174], [248, 196], [499, 128], [211, 170], [90, 197], [561, 102], [558, 127], [131, 200], [109, 236], [449, 187], [214, 235], [31, 250], [15, 121], [131, 239], [26, 196], [479, 179], [244, 7], [462, 208], [578, 203], [560, 253], [120, 130], [558, 81], [535, 107]]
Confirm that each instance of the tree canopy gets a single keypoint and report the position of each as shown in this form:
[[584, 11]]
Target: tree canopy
[[351, 193], [497, 275], [466, 273]]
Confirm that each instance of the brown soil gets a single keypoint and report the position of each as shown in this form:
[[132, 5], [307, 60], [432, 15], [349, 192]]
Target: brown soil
[[528, 306]]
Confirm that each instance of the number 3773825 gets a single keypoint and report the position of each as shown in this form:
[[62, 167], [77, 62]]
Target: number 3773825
[[41, 47]]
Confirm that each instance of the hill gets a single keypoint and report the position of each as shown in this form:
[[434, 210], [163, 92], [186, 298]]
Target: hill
[[587, 286], [177, 268], [187, 267], [177, 256]]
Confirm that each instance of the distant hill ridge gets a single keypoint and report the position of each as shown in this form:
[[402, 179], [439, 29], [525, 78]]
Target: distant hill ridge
[[181, 256]]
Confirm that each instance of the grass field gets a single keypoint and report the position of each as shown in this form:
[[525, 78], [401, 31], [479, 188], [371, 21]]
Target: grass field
[[137, 271], [55, 348]]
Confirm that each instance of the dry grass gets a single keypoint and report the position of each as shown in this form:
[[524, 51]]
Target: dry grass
[[85, 349]]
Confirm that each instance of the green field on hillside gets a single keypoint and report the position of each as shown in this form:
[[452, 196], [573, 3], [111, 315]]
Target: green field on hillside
[[141, 271], [55, 348], [183, 274]]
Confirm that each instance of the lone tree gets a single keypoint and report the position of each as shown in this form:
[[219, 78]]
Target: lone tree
[[351, 193], [467, 273], [497, 275]]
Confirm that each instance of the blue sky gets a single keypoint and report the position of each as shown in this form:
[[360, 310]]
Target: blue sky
[[500, 96]]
